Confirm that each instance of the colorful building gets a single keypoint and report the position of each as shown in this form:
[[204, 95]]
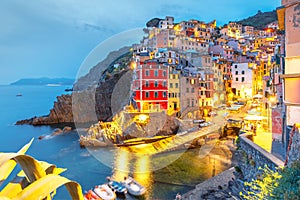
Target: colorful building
[[288, 20], [174, 89], [150, 86], [242, 77]]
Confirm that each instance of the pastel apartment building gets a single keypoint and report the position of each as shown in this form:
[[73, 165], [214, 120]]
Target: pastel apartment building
[[242, 80]]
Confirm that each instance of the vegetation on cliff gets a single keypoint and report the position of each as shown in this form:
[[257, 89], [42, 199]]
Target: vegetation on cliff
[[153, 22], [260, 19]]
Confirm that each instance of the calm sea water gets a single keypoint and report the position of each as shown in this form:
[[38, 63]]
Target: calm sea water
[[64, 151]]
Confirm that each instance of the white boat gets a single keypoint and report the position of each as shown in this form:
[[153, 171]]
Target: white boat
[[133, 187], [104, 192]]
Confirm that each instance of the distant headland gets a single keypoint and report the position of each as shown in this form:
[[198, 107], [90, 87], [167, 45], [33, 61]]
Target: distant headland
[[44, 81]]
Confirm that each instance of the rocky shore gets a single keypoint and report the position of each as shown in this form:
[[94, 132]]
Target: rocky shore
[[60, 113], [91, 98]]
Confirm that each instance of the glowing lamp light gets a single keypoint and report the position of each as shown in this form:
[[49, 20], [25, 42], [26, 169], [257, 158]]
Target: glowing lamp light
[[141, 119], [132, 65]]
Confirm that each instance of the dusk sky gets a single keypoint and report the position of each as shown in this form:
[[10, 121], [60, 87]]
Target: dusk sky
[[52, 38]]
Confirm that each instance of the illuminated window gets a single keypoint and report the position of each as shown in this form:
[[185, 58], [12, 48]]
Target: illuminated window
[[192, 81]]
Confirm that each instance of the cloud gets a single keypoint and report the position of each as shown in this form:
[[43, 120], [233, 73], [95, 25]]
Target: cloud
[[53, 37]]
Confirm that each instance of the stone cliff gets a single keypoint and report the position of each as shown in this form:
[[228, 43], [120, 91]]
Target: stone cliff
[[86, 106], [91, 99], [60, 113]]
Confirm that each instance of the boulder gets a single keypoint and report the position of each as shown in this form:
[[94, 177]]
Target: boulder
[[67, 129], [57, 131]]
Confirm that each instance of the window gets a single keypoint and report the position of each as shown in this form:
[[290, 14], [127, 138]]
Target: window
[[147, 83], [164, 94], [192, 81], [235, 66], [243, 72], [147, 73], [165, 73], [176, 85], [147, 94], [165, 83], [155, 84], [243, 79], [236, 79], [155, 73], [236, 72], [192, 90], [187, 90], [156, 94], [171, 85]]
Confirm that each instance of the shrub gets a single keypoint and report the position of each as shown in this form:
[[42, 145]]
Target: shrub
[[280, 184]]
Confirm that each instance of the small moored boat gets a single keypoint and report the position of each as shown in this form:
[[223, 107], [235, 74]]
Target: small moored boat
[[117, 187], [90, 195], [133, 187], [104, 192]]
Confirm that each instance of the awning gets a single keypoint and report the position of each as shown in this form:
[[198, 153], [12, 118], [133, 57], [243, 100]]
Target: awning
[[258, 96], [254, 118], [281, 17]]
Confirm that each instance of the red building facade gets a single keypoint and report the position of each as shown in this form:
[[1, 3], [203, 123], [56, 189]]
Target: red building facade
[[150, 86]]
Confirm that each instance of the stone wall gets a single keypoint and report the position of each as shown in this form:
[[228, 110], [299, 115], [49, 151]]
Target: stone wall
[[294, 145], [253, 158]]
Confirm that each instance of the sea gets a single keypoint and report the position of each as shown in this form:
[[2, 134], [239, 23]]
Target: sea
[[184, 170]]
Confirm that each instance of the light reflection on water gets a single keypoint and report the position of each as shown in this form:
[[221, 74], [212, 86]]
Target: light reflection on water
[[138, 166], [181, 175]]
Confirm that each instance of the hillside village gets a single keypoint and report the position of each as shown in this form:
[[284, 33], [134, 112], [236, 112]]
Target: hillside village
[[194, 66]]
